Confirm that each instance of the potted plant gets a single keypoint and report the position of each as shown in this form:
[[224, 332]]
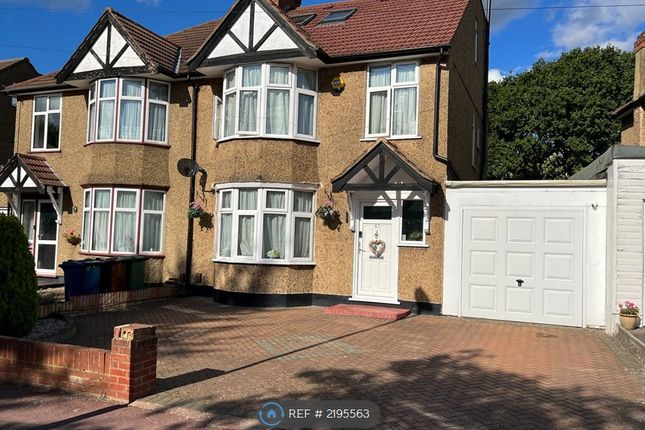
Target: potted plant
[[273, 254], [196, 210], [629, 315], [327, 211], [72, 237]]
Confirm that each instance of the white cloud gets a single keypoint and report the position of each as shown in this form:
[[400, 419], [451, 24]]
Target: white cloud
[[149, 2], [505, 11], [548, 55], [51, 4], [602, 26], [495, 75]]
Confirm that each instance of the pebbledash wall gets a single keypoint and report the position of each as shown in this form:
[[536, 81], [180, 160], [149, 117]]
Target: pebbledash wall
[[340, 135]]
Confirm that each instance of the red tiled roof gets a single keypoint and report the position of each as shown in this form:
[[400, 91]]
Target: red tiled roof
[[47, 80], [191, 39], [383, 25], [159, 50], [38, 168], [10, 62]]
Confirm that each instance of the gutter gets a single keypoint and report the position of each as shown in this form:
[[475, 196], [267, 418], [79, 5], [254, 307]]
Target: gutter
[[191, 193]]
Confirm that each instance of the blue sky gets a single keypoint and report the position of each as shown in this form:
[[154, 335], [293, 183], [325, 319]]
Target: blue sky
[[48, 31]]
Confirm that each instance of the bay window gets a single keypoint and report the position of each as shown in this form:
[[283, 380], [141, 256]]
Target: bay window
[[265, 225], [392, 100], [121, 103], [46, 123], [122, 221], [273, 100]]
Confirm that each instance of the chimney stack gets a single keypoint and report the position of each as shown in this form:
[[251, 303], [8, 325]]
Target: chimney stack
[[639, 72], [287, 5]]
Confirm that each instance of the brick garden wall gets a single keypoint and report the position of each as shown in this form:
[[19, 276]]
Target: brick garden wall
[[125, 373]]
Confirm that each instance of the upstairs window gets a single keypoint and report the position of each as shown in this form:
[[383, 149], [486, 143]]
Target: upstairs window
[[272, 100], [338, 16], [46, 123], [116, 111], [393, 100]]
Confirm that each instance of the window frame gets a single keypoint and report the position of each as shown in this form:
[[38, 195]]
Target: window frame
[[424, 220], [112, 210], [263, 89], [144, 116], [46, 114], [261, 210], [391, 88]]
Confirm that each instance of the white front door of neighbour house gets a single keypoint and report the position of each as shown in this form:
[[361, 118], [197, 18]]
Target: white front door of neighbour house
[[376, 255], [523, 265], [46, 239]]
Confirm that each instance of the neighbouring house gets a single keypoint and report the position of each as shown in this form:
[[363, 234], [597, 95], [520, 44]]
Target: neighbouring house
[[325, 135], [11, 71]]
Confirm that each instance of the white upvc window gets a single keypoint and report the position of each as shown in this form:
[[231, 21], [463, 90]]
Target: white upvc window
[[116, 111], [157, 112], [265, 225], [105, 118], [392, 100], [123, 221], [272, 100], [46, 123], [130, 117]]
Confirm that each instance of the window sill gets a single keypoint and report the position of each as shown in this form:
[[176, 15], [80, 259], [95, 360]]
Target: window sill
[[104, 255], [126, 142], [374, 139], [413, 245], [260, 137], [264, 262], [43, 151]]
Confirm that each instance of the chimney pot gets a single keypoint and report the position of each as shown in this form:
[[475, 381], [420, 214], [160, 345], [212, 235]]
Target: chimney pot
[[287, 5]]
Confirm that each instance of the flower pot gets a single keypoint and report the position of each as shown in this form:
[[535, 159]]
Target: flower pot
[[629, 322]]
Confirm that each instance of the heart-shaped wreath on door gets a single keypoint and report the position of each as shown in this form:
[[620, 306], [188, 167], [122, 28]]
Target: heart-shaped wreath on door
[[377, 246]]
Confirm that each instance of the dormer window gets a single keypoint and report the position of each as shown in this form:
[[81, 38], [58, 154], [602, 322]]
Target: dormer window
[[303, 19], [270, 100], [338, 16], [128, 110]]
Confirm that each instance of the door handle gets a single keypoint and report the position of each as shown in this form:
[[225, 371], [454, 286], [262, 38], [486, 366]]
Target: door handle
[[519, 282]]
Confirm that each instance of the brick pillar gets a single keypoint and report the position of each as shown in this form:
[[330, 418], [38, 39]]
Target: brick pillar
[[133, 362]]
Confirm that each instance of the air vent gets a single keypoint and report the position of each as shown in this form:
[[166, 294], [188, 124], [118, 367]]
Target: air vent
[[303, 19], [338, 16]]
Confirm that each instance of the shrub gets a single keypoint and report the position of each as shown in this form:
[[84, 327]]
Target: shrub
[[18, 284]]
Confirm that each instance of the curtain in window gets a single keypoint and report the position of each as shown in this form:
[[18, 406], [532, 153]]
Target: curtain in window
[[405, 111], [378, 112], [130, 120], [151, 241], [252, 76], [245, 235], [380, 76], [153, 201], [275, 200], [273, 232], [106, 119], [277, 111], [86, 230], [101, 220], [226, 199], [302, 202], [157, 122], [39, 131], [125, 222], [306, 79], [279, 75], [306, 114], [301, 239], [406, 73], [229, 115], [248, 199], [226, 229], [92, 122], [248, 110]]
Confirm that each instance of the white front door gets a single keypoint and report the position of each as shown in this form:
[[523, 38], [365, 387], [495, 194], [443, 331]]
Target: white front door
[[376, 255], [46, 239], [523, 265]]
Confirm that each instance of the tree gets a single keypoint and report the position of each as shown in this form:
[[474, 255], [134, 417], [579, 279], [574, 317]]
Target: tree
[[18, 284], [554, 119]]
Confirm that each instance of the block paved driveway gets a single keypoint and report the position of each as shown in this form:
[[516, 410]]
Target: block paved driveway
[[218, 364]]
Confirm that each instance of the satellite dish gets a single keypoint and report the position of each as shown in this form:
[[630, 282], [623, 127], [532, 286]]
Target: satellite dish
[[188, 167]]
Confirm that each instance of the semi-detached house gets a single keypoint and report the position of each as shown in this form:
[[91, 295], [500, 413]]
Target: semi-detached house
[[368, 105]]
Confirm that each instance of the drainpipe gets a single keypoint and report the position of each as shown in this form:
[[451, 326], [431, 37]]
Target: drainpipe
[[191, 193], [484, 154], [437, 106]]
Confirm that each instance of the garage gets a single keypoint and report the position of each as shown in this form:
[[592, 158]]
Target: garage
[[529, 251]]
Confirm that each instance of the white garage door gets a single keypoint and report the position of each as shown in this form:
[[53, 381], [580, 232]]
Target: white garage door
[[523, 265]]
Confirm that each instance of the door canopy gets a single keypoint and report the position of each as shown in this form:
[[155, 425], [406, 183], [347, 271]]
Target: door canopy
[[383, 167], [28, 173]]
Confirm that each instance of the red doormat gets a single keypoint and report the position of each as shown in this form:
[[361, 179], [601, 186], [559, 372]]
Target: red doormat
[[391, 314]]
